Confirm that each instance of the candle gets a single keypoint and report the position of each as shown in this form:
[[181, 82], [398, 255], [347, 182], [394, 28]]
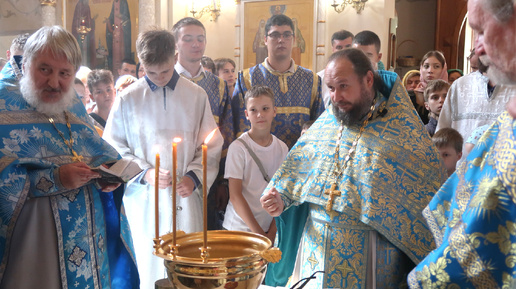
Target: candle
[[156, 196], [205, 186], [174, 184], [215, 5]]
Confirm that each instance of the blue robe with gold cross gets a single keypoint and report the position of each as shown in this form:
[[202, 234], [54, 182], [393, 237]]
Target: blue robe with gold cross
[[390, 178], [93, 238], [473, 218], [297, 98]]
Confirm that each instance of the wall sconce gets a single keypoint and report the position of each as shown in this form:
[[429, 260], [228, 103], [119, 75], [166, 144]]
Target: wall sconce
[[213, 9], [357, 4]]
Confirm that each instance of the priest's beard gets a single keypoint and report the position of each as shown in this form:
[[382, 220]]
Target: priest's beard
[[496, 74], [356, 114], [30, 93]]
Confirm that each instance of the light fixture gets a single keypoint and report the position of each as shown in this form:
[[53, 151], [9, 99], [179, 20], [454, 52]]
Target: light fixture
[[213, 9], [357, 4]]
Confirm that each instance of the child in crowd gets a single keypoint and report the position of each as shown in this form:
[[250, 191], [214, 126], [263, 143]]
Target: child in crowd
[[102, 91], [252, 159], [123, 82], [225, 69], [449, 143], [435, 94], [306, 126]]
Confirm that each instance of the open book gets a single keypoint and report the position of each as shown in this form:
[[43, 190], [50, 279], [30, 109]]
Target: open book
[[120, 172]]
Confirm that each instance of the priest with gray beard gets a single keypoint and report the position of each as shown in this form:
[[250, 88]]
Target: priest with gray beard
[[61, 224]]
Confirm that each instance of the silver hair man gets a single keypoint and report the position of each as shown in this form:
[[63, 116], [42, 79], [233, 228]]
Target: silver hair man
[[51, 59]]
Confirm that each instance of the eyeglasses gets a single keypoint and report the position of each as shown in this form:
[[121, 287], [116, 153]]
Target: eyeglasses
[[276, 35], [302, 283]]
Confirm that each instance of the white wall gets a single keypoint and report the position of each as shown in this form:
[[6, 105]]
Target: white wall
[[374, 17], [220, 34]]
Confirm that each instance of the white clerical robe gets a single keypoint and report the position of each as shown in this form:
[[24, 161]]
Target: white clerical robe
[[468, 106], [142, 122]]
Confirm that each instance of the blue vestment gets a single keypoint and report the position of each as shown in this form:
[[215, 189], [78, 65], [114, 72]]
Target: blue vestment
[[390, 178], [94, 244], [473, 218], [297, 98], [220, 103]]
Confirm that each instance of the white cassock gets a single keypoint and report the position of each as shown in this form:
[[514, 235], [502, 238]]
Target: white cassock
[[468, 105], [143, 121]]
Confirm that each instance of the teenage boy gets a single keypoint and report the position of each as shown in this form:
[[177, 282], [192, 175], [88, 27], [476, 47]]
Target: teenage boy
[[435, 94], [297, 90], [449, 144], [146, 117], [102, 91], [252, 159]]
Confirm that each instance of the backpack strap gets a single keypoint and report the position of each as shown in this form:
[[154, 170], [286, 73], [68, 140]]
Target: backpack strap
[[256, 160]]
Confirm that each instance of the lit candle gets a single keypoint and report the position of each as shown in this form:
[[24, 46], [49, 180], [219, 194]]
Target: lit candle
[[174, 184], [205, 186], [156, 196], [214, 4]]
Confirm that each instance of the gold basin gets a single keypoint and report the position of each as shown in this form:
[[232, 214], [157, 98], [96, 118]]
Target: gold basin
[[236, 260]]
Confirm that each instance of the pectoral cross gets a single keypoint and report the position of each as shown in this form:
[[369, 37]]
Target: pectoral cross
[[76, 157], [332, 192]]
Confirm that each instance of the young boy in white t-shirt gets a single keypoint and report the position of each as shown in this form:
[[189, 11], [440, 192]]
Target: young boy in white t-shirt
[[246, 180]]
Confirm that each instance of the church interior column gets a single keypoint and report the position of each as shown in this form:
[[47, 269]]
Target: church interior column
[[146, 15], [320, 29], [48, 12]]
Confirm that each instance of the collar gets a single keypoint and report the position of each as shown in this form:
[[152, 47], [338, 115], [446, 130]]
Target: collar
[[171, 84], [16, 65], [291, 69], [182, 71]]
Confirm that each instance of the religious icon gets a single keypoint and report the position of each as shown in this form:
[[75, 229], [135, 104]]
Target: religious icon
[[118, 34]]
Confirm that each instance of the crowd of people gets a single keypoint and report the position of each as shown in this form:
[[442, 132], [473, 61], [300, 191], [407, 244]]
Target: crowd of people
[[371, 179]]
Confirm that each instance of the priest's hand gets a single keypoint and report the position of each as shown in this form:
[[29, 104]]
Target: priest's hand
[[76, 175], [165, 179], [185, 187], [272, 203]]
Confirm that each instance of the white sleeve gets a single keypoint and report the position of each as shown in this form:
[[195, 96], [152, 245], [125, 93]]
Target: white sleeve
[[235, 161], [116, 133]]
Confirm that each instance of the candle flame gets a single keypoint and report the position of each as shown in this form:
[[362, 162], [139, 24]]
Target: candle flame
[[177, 139], [210, 135], [156, 148]]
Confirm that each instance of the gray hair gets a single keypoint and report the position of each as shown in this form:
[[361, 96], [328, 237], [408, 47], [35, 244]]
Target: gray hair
[[502, 10], [57, 40], [18, 44]]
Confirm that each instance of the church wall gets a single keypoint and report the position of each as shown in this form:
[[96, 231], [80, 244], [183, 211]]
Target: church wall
[[221, 34]]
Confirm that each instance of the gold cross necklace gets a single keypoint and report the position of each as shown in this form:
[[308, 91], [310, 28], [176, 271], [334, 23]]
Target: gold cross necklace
[[333, 192], [76, 157]]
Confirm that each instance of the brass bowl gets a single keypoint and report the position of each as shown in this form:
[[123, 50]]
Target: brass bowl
[[235, 260]]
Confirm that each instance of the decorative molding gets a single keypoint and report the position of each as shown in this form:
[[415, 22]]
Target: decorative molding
[[48, 3]]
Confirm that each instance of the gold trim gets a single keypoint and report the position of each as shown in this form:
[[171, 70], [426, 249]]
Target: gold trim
[[48, 3], [320, 54], [320, 45], [292, 110], [321, 21], [237, 48], [238, 25]]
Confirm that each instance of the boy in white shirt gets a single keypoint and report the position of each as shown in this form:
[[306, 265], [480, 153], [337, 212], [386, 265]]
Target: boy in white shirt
[[246, 179]]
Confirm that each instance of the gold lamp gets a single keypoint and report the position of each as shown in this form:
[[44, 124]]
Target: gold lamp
[[357, 4], [213, 8]]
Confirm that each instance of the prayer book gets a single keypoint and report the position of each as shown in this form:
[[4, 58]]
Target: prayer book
[[120, 172]]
